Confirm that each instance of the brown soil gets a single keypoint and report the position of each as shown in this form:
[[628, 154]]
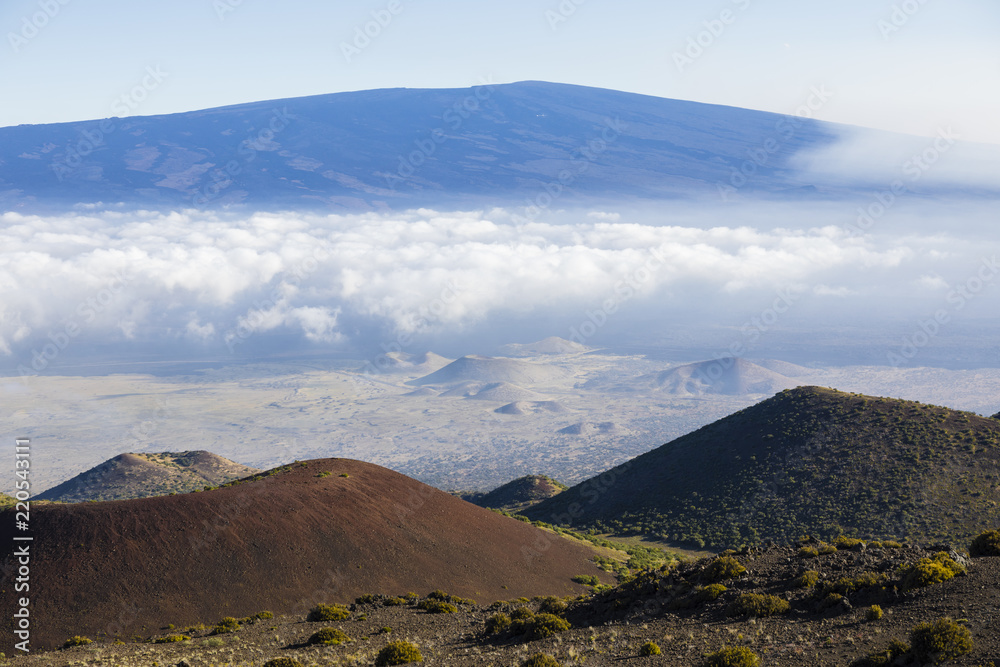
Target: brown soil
[[610, 629], [283, 542]]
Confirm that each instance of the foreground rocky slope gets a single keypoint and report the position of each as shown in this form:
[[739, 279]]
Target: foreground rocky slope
[[690, 611]]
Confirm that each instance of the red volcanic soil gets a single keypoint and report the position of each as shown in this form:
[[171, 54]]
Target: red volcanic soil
[[283, 542]]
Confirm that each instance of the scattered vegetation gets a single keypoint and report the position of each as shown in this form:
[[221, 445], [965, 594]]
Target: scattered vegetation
[[758, 604], [733, 657], [497, 623], [328, 612], [283, 662], [649, 648], [873, 613], [807, 579], [329, 637], [941, 641], [986, 544], [226, 625], [722, 568], [398, 653], [929, 571], [76, 640], [170, 639]]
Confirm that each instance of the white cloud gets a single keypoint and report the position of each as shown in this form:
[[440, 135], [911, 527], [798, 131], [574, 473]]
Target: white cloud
[[207, 279]]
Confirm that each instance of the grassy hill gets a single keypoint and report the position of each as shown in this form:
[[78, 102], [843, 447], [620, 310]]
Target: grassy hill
[[519, 493], [807, 461], [143, 475]]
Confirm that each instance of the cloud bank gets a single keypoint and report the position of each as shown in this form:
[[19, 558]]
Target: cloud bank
[[208, 283]]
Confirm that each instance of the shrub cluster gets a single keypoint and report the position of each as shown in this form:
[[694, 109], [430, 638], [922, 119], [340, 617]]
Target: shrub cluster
[[927, 571], [76, 640], [733, 657], [722, 568], [649, 648], [525, 622], [986, 544], [226, 625], [437, 607], [283, 662], [497, 623], [170, 639], [941, 641], [807, 579], [398, 653], [757, 604], [541, 660], [328, 612], [329, 637]]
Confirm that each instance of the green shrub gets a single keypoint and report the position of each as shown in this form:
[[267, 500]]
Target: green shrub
[[393, 602], [848, 585], [367, 599], [757, 604], [649, 648], [226, 625], [497, 623], [941, 641], [827, 549], [986, 544], [76, 640], [711, 592], [170, 639], [522, 613], [929, 571], [808, 552], [328, 612], [398, 653], [544, 625], [329, 637], [883, 658], [411, 597], [325, 473], [807, 579], [552, 605], [438, 595], [733, 657], [587, 579], [843, 542], [831, 600], [437, 607], [873, 613], [540, 660], [283, 662], [260, 615], [723, 567]]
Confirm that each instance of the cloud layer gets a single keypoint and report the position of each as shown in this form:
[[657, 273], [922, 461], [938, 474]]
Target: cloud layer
[[207, 282]]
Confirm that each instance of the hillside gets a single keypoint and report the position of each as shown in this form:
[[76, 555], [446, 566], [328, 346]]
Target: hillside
[[143, 475], [475, 368], [820, 614], [730, 377], [552, 345], [405, 147], [806, 461], [326, 530], [518, 494]]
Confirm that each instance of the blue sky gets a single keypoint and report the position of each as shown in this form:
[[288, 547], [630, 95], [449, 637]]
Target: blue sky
[[911, 65]]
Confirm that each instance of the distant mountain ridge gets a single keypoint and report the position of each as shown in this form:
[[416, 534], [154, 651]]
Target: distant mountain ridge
[[808, 460], [402, 147], [143, 475]]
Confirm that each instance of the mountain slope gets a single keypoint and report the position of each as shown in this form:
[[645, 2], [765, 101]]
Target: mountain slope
[[410, 147], [144, 475], [517, 494], [730, 377], [475, 368], [807, 461], [326, 530]]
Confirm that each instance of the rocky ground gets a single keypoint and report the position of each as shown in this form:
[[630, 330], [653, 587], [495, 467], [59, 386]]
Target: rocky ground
[[669, 607]]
